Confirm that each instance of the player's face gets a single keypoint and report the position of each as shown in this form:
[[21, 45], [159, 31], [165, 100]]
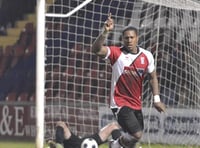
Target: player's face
[[130, 40]]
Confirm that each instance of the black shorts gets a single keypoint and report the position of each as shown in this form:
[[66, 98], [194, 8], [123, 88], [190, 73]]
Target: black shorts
[[130, 120]]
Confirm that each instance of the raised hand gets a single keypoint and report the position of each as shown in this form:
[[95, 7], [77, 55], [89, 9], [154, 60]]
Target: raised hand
[[109, 24]]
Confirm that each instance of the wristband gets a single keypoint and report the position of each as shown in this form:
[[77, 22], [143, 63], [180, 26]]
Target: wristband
[[156, 98]]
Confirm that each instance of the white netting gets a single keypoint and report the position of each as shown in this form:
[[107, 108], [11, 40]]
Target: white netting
[[78, 82]]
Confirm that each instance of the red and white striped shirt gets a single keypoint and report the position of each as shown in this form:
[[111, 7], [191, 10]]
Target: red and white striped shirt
[[128, 72]]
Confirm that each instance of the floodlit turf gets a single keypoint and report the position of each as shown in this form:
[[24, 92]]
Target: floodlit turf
[[20, 144], [16, 144], [158, 146]]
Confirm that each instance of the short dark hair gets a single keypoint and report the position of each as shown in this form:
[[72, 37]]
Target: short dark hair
[[130, 28]]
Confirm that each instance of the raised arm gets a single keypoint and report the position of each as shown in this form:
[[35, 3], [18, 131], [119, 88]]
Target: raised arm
[[97, 46], [154, 83]]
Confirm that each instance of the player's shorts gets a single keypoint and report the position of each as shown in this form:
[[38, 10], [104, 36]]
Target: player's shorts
[[130, 120]]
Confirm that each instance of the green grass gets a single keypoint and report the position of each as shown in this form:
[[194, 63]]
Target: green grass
[[17, 144], [159, 146], [31, 144]]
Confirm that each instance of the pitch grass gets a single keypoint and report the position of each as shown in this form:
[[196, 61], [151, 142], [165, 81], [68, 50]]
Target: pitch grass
[[31, 144], [17, 144], [158, 146]]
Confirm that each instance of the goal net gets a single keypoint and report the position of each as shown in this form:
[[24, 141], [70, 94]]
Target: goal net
[[78, 82]]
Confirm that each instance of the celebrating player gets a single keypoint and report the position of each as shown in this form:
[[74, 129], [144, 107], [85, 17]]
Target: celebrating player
[[65, 137], [129, 64]]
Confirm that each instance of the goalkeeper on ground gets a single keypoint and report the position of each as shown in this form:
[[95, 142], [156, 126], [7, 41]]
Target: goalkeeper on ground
[[66, 139]]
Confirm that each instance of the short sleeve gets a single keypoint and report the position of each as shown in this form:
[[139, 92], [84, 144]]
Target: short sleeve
[[113, 54], [151, 65]]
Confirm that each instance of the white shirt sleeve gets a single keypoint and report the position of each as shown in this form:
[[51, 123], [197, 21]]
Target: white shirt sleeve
[[108, 53], [151, 65]]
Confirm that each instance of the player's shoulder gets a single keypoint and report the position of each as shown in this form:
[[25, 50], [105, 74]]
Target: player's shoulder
[[146, 52], [114, 47]]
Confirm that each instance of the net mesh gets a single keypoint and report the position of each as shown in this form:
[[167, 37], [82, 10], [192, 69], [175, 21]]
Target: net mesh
[[78, 82]]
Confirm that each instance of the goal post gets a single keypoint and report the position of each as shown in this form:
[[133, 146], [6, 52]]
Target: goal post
[[77, 82], [40, 73]]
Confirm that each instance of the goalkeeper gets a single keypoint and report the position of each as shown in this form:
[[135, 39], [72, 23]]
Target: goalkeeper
[[130, 63], [65, 137]]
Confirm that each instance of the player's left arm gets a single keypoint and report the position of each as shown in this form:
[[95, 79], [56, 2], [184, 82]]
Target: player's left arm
[[155, 89]]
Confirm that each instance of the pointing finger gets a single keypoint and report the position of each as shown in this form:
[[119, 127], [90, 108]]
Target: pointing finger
[[109, 15]]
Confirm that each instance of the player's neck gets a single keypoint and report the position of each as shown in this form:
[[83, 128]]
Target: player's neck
[[135, 50]]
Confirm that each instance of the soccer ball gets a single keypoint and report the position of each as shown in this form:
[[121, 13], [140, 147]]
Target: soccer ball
[[89, 143]]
